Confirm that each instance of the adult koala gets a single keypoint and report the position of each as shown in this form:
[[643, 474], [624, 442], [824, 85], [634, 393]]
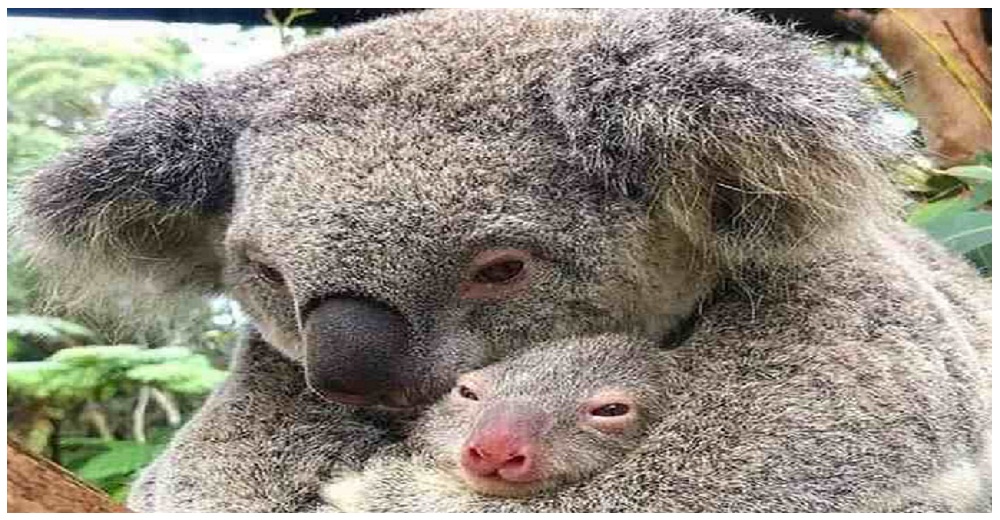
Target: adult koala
[[427, 194]]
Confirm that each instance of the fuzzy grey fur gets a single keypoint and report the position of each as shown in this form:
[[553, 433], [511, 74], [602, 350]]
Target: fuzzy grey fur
[[867, 405], [556, 378], [661, 166]]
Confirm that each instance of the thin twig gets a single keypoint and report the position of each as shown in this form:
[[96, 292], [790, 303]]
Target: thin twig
[[93, 413], [167, 404], [139, 416], [968, 56]]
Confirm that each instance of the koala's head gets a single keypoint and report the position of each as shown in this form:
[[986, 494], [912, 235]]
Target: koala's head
[[398, 254], [560, 412], [428, 194]]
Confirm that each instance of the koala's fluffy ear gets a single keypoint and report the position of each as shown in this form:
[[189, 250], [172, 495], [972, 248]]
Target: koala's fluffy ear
[[146, 199], [735, 129]]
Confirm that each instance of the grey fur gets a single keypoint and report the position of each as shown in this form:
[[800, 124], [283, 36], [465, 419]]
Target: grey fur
[[556, 379], [843, 391], [659, 165]]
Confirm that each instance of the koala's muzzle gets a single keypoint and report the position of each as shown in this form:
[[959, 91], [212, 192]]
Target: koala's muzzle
[[354, 347]]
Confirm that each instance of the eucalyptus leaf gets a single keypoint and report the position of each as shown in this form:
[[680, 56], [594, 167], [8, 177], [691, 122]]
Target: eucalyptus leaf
[[124, 458], [963, 232], [983, 259], [927, 214], [976, 172]]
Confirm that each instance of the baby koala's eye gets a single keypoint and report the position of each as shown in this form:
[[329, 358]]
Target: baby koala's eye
[[611, 410], [466, 393]]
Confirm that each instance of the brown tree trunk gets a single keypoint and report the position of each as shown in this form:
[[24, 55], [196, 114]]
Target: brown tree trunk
[[35, 485], [943, 62]]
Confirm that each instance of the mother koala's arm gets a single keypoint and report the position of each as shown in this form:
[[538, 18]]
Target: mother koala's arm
[[262, 442]]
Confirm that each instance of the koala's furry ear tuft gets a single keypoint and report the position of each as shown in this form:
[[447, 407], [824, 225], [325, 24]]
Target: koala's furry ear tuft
[[146, 199], [736, 130]]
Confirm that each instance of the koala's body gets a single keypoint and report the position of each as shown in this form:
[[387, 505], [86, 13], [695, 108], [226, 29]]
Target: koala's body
[[428, 194], [554, 415]]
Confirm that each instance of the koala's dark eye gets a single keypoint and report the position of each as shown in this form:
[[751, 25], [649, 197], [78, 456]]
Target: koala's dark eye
[[466, 393], [268, 273], [499, 272], [611, 410]]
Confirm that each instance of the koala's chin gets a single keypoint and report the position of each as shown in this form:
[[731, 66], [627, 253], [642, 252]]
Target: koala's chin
[[496, 485]]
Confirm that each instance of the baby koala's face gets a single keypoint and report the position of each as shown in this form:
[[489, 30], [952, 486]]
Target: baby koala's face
[[556, 414]]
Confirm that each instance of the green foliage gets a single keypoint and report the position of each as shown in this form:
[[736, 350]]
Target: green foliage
[[59, 393], [63, 82], [193, 375], [98, 373], [955, 205], [51, 382], [956, 209], [30, 338], [28, 146], [111, 465], [48, 327], [98, 379], [57, 87], [283, 25]]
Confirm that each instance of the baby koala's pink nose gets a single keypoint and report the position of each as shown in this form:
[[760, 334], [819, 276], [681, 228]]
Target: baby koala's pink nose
[[506, 456]]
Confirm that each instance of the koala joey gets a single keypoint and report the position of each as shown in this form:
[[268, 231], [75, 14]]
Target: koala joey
[[558, 413]]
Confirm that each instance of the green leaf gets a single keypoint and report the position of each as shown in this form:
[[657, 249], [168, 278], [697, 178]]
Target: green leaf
[[162, 355], [27, 377], [928, 213], [48, 327], [11, 347], [981, 173], [984, 158], [52, 381], [983, 259], [194, 375], [122, 458], [982, 192], [963, 232], [106, 355]]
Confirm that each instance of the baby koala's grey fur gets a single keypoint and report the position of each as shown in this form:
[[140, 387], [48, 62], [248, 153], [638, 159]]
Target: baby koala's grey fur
[[556, 379], [693, 178]]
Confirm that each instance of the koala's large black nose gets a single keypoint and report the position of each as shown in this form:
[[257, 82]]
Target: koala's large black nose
[[354, 350]]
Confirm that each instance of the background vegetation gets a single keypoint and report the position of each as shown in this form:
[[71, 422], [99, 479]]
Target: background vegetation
[[92, 395], [103, 399]]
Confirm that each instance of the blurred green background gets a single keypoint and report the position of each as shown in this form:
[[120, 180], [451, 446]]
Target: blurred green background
[[101, 397], [92, 392]]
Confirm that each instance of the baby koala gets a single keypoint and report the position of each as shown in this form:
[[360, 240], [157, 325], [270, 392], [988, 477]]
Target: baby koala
[[558, 413]]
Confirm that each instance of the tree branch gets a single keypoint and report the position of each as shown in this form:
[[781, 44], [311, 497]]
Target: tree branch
[[35, 485]]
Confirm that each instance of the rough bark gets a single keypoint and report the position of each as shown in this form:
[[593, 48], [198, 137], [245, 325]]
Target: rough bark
[[943, 61], [35, 485]]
